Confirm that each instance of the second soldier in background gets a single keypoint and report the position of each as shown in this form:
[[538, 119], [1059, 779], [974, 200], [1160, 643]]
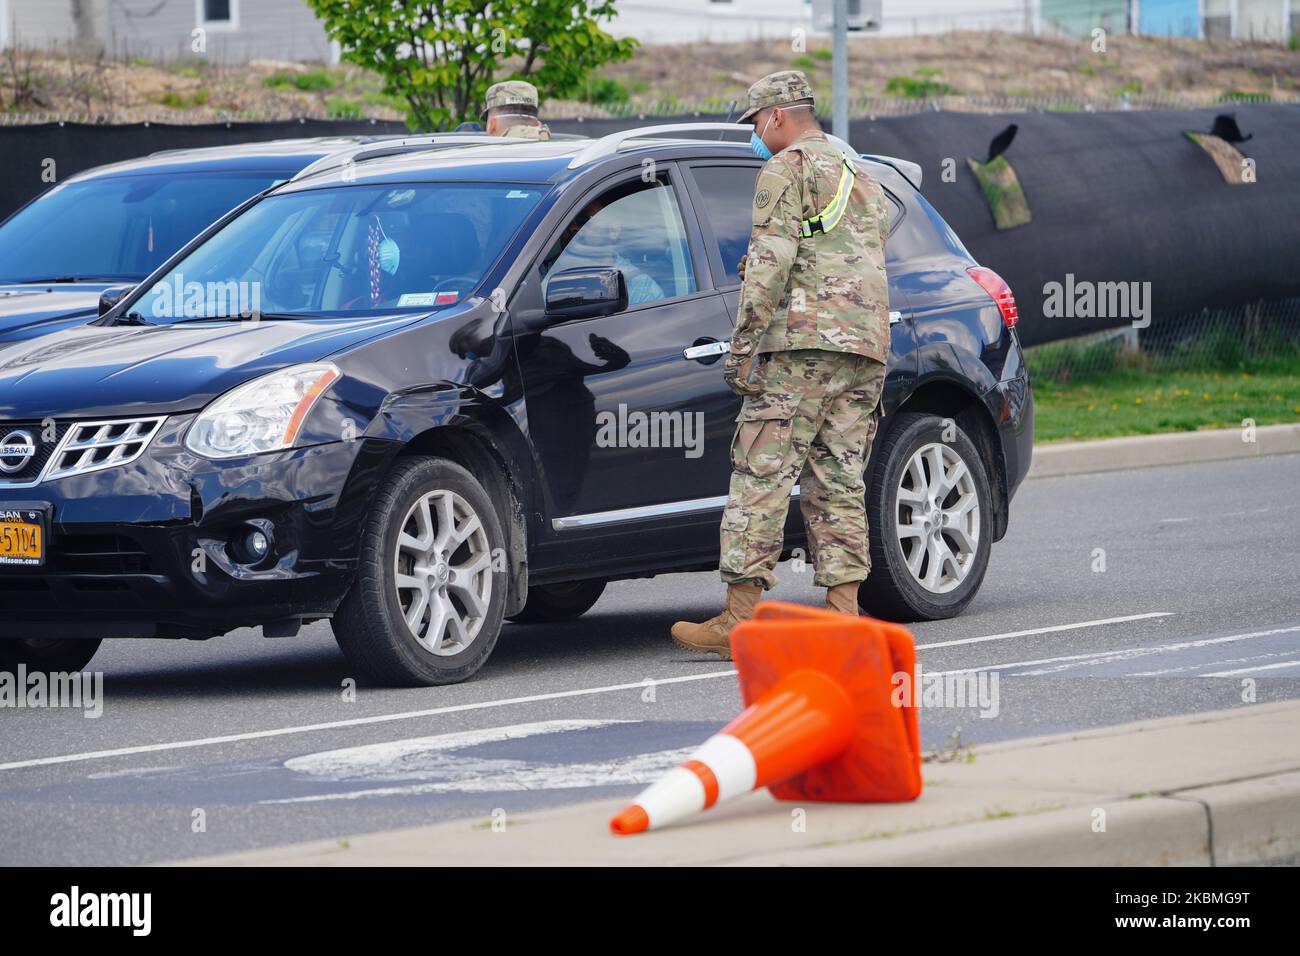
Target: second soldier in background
[[510, 109], [808, 353]]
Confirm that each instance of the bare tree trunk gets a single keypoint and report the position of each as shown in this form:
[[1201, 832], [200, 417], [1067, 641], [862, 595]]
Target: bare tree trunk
[[83, 25]]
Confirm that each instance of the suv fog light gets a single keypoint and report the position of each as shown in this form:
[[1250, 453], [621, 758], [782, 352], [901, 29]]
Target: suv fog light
[[256, 545]]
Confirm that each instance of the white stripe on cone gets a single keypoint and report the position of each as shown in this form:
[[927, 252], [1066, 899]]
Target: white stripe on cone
[[680, 793]]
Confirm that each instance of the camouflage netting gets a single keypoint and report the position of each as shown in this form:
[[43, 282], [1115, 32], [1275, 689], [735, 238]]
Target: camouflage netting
[[1122, 196]]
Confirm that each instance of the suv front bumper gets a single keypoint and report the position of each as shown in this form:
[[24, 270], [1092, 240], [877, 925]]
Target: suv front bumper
[[155, 548]]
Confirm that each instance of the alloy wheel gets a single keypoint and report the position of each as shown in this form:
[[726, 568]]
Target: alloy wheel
[[443, 572], [938, 517]]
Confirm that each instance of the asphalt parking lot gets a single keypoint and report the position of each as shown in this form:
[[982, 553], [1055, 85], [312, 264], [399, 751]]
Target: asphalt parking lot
[[258, 741]]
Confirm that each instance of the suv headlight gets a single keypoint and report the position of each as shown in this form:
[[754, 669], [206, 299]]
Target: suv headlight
[[263, 415]]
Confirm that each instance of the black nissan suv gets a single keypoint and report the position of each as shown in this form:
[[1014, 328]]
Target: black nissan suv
[[421, 390]]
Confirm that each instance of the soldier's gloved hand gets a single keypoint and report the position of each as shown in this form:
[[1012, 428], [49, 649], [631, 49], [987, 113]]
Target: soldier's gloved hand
[[736, 374]]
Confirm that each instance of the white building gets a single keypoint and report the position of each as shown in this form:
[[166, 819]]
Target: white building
[[722, 21]]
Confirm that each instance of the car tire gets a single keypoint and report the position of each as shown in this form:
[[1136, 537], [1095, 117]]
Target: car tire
[[548, 603], [905, 585], [57, 655], [424, 609]]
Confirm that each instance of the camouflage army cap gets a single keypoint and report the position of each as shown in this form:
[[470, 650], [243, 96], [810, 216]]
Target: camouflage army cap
[[516, 93], [777, 89]]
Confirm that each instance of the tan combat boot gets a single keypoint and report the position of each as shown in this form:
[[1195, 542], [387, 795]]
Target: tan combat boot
[[843, 598], [712, 637]]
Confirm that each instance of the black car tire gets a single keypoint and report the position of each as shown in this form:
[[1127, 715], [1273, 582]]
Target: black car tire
[[559, 602], [56, 655], [891, 591], [369, 624]]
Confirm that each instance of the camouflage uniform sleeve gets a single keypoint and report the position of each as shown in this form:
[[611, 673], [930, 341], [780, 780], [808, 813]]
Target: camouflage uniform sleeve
[[773, 244]]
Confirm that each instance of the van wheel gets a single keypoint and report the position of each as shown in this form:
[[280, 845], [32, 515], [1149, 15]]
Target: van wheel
[[928, 507], [559, 602], [426, 606], [56, 655]]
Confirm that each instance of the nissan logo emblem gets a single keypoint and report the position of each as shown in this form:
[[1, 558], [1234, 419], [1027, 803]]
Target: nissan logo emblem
[[16, 450]]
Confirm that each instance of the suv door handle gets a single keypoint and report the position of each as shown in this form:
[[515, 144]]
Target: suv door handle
[[705, 351], [895, 318]]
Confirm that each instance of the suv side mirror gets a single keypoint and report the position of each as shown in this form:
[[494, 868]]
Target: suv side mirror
[[112, 296], [585, 293]]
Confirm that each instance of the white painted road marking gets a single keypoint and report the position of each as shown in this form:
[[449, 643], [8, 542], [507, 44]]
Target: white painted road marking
[[1122, 654], [424, 765], [1253, 670], [488, 704], [353, 722], [1045, 630]]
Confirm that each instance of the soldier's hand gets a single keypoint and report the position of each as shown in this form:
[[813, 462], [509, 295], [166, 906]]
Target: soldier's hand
[[736, 374], [740, 267]]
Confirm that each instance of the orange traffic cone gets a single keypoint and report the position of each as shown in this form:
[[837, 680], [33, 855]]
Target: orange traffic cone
[[818, 722]]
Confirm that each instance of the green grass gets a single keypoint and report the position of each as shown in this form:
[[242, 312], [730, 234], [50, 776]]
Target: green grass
[[1100, 389], [1133, 401], [340, 107], [922, 86], [307, 82], [184, 101]]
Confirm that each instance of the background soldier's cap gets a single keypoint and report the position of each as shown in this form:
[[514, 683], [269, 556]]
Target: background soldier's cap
[[514, 93], [777, 89]]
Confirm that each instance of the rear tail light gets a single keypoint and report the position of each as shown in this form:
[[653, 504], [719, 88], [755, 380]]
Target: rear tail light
[[999, 291]]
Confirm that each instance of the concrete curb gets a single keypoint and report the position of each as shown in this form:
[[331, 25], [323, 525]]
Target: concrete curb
[[1219, 788], [1169, 448]]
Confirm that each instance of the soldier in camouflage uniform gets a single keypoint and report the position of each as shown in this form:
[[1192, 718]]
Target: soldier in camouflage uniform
[[808, 354], [510, 109]]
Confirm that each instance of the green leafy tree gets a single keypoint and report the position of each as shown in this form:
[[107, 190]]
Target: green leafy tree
[[442, 55]]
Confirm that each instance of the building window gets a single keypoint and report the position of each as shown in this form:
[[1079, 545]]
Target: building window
[[217, 14]]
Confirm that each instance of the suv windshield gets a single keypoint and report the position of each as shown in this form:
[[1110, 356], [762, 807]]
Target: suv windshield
[[346, 250], [120, 227]]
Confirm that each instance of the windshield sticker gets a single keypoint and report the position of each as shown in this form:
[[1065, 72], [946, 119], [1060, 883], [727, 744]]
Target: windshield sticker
[[428, 298], [517, 194], [418, 298]]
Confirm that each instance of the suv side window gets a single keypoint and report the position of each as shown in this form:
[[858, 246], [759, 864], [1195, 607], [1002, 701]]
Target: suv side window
[[635, 227], [728, 195]]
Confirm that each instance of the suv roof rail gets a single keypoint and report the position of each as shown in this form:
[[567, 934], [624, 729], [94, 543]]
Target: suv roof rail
[[379, 147], [611, 143]]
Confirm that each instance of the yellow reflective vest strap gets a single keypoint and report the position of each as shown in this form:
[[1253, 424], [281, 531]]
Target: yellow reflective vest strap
[[829, 218]]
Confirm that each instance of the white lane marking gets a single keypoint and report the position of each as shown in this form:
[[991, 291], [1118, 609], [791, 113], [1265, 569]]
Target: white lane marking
[[1121, 654], [487, 704], [415, 757], [353, 722], [1254, 670], [1046, 630], [424, 765], [1201, 665]]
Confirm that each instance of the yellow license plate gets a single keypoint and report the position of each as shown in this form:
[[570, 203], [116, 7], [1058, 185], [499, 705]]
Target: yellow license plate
[[22, 537]]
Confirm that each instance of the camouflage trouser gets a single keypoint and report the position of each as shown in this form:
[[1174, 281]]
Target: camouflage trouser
[[814, 421]]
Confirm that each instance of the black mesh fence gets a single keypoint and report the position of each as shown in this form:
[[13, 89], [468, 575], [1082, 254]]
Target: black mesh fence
[[1124, 207]]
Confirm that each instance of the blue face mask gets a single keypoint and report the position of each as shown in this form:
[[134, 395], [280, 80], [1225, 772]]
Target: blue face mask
[[390, 257], [758, 146]]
